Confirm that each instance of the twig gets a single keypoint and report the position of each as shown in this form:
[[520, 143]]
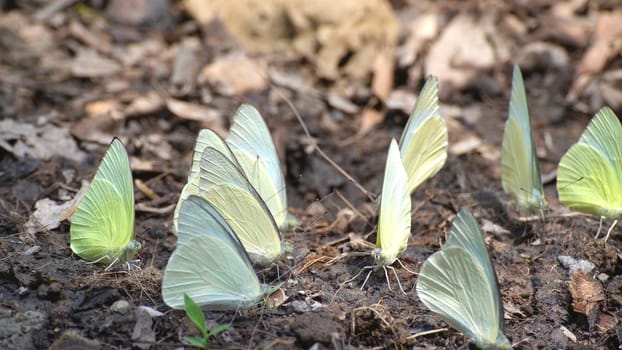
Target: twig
[[321, 153], [421, 334], [147, 209], [53, 7], [349, 204]]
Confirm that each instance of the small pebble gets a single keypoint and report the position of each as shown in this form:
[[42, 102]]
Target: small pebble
[[120, 306]]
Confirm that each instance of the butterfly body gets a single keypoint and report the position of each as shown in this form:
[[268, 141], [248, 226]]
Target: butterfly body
[[394, 220], [520, 170]]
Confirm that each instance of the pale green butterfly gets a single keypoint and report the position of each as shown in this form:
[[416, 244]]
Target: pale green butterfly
[[460, 285], [394, 219], [209, 263], [102, 227], [226, 187], [589, 176], [205, 138], [251, 143], [251, 148], [520, 175], [424, 141]]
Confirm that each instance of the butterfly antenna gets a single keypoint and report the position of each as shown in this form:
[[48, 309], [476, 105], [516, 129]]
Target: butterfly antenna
[[615, 222]]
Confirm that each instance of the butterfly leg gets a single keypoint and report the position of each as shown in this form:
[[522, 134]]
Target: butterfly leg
[[112, 264], [404, 267], [358, 274], [133, 264], [98, 260], [386, 275], [615, 222], [367, 277], [396, 277]]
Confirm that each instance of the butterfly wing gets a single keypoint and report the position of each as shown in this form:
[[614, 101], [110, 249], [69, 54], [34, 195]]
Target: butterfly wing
[[465, 234], [249, 220], [605, 134], [453, 284], [520, 170], [224, 185], [210, 264], [251, 142], [209, 222], [103, 224], [205, 138], [394, 221], [424, 142], [589, 176]]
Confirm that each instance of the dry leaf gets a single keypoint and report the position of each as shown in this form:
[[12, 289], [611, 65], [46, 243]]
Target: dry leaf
[[109, 107], [208, 117], [585, 291], [235, 74], [145, 104], [467, 144], [329, 31], [455, 60], [40, 142], [202, 10], [90, 64], [606, 322], [74, 201], [542, 54], [369, 119], [138, 12], [47, 215], [99, 129], [188, 61], [609, 88], [423, 29], [276, 299], [342, 104], [401, 99], [606, 43], [382, 81], [568, 334]]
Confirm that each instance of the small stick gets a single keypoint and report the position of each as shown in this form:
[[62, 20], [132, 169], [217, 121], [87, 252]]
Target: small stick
[[322, 154], [421, 334]]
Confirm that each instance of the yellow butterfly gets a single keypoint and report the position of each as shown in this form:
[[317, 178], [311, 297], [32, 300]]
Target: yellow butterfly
[[424, 141]]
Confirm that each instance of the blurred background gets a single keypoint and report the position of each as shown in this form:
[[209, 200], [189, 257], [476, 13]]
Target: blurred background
[[73, 74]]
